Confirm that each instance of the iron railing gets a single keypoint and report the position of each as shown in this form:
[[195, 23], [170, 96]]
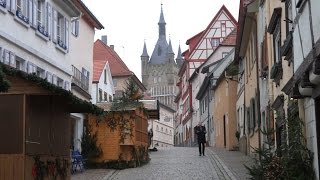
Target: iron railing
[[80, 79]]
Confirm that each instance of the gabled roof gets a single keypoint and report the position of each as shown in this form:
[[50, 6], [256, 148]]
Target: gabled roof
[[199, 36], [87, 14], [102, 52], [192, 42], [98, 66]]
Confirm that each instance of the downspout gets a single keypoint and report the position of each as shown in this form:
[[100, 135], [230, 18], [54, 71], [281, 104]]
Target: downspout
[[208, 97], [258, 83], [258, 89]]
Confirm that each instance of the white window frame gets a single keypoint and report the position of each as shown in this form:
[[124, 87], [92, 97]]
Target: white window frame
[[75, 27], [276, 37]]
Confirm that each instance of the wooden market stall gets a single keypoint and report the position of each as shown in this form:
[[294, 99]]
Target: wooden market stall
[[123, 135], [35, 129]]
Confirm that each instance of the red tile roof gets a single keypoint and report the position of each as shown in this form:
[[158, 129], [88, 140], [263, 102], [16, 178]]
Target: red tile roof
[[230, 40], [98, 66], [103, 53]]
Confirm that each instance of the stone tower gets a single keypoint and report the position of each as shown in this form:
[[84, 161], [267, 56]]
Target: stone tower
[[160, 72]]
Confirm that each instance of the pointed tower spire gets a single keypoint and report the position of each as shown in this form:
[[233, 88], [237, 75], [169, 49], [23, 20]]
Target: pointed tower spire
[[162, 24], [144, 52], [170, 51], [179, 58]]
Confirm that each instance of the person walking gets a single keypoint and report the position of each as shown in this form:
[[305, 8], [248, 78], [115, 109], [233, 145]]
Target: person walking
[[201, 134]]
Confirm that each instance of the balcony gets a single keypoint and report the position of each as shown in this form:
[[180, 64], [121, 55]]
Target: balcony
[[80, 80]]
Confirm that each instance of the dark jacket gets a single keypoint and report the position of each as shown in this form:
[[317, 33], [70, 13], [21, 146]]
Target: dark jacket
[[201, 133]]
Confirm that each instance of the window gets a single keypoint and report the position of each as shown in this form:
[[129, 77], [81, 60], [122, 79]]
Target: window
[[154, 79], [31, 68], [75, 27], [215, 42], [106, 96], [20, 63], [41, 73], [276, 43], [21, 10], [39, 13], [100, 95], [161, 129], [157, 128], [114, 82], [159, 79], [105, 77], [224, 54], [60, 30], [60, 82], [223, 29], [110, 98]]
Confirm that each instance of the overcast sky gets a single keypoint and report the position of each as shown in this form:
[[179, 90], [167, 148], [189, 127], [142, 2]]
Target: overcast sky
[[128, 23]]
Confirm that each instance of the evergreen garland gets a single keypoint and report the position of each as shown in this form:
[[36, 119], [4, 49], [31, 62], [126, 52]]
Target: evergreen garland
[[295, 161], [128, 101], [89, 147], [4, 83], [72, 99]]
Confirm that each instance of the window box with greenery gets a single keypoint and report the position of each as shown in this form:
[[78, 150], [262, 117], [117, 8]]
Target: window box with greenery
[[22, 17], [3, 3], [42, 30]]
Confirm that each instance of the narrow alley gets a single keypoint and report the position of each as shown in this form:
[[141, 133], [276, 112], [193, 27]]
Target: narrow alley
[[179, 163]]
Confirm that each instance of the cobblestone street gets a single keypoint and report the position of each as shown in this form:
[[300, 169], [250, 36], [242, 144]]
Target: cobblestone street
[[179, 163]]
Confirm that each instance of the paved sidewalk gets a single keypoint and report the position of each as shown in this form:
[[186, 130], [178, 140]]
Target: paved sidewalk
[[234, 161], [179, 163], [91, 174]]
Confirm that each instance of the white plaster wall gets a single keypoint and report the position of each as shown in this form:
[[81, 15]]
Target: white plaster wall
[[301, 36], [25, 37], [108, 88], [82, 49], [315, 4], [311, 134]]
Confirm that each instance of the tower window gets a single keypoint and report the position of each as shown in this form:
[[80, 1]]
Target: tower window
[[159, 51]]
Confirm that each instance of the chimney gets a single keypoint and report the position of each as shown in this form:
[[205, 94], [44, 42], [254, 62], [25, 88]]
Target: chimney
[[104, 39], [112, 47]]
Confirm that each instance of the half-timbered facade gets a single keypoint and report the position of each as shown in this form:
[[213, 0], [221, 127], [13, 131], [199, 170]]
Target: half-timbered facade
[[201, 46]]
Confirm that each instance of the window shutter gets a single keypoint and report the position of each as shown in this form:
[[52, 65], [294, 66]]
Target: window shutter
[[77, 27], [12, 59], [67, 33], [54, 79], [6, 58], [8, 3], [30, 11], [34, 68], [13, 6], [54, 28], [34, 16], [49, 77], [49, 19], [256, 110], [29, 67]]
